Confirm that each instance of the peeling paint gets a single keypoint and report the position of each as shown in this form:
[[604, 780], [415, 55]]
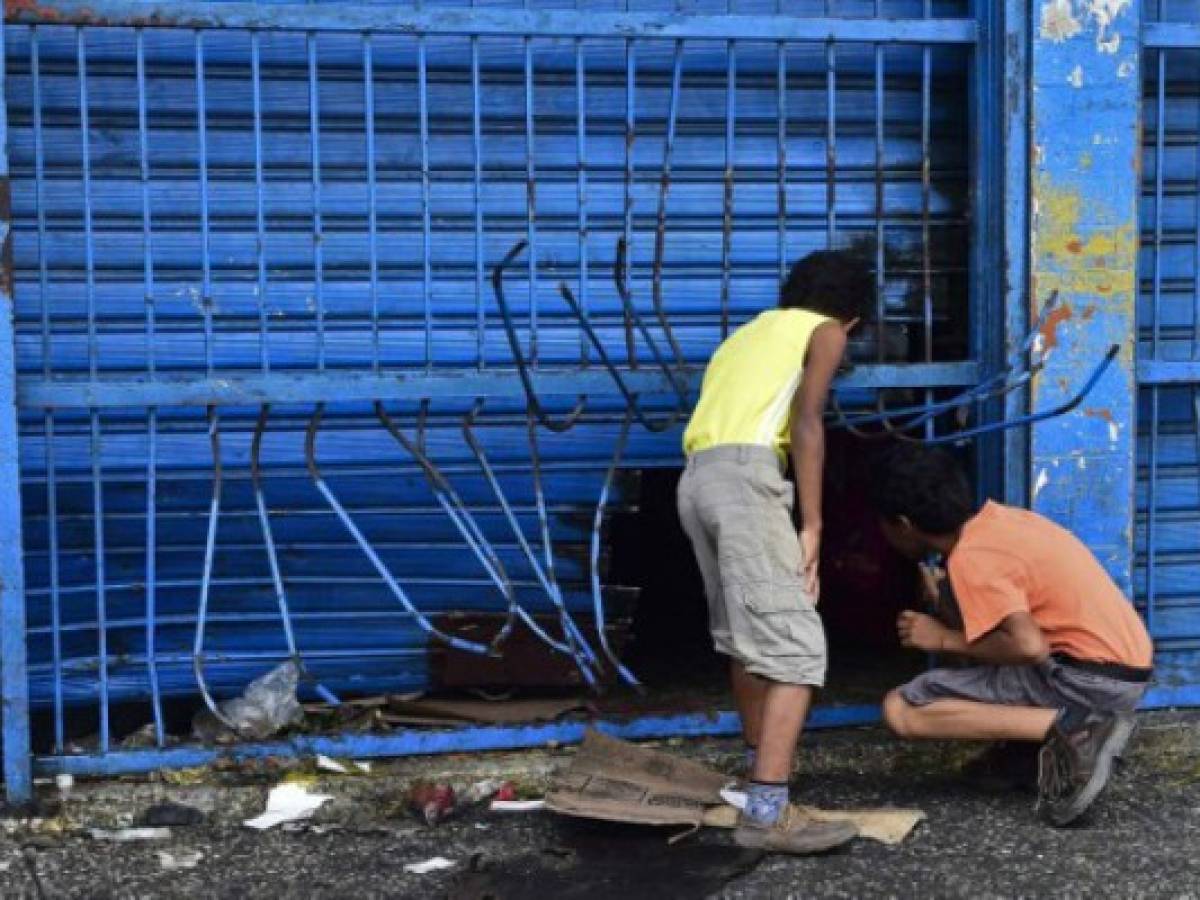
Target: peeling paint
[[1062, 20], [1114, 427], [1043, 479], [1104, 13], [1075, 79], [1101, 262], [1057, 316], [1125, 69], [1059, 23]]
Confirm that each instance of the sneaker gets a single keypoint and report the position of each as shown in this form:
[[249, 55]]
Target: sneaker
[[795, 833], [1074, 766]]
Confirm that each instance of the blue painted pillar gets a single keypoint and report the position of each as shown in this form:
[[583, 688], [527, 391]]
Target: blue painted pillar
[[1086, 136], [14, 675]]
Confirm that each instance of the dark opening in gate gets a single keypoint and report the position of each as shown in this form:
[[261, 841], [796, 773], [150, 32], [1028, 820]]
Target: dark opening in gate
[[864, 584]]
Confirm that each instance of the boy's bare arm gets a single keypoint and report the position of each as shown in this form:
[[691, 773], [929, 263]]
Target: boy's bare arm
[[1015, 641], [808, 439]]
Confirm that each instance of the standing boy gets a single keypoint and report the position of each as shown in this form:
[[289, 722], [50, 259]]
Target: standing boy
[[764, 392], [1054, 653]]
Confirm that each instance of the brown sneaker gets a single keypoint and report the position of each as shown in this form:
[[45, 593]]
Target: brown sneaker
[[794, 833], [1074, 766]]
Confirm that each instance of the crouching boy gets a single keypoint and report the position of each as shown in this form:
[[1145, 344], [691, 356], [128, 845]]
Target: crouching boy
[[1054, 653]]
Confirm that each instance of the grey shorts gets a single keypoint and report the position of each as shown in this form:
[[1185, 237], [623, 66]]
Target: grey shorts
[[736, 507], [1050, 685]]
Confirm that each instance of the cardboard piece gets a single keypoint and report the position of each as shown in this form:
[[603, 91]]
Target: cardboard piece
[[617, 781]]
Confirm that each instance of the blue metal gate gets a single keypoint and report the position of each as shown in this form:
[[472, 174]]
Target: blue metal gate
[[247, 238], [1168, 532]]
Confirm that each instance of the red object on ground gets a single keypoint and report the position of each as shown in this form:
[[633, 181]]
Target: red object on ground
[[432, 802]]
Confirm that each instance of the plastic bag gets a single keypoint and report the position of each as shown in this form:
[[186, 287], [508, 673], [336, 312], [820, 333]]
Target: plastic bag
[[266, 707]]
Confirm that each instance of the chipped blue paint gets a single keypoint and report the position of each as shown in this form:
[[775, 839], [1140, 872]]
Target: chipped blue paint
[[1085, 132]]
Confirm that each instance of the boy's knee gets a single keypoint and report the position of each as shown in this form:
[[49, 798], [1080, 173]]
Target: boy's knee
[[897, 715]]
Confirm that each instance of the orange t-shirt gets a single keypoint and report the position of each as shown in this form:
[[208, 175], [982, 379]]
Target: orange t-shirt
[[1009, 560]]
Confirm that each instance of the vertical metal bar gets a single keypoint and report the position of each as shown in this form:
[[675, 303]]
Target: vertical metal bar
[[147, 222], [89, 250], [880, 210], [95, 442], [627, 199], [926, 80], [210, 546], [55, 598], [1152, 514], [1152, 487], [531, 202], [727, 206], [1159, 149], [581, 187], [926, 192], [782, 136], [1010, 50], [152, 413], [314, 137], [368, 63], [1196, 272], [39, 169], [260, 206], [14, 671], [477, 196], [660, 227], [830, 143], [206, 300], [96, 449], [426, 223]]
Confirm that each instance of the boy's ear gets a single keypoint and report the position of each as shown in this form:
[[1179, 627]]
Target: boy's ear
[[848, 327], [906, 523]]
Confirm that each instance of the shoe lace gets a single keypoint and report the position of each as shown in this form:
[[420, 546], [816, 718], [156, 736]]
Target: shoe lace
[[1054, 772]]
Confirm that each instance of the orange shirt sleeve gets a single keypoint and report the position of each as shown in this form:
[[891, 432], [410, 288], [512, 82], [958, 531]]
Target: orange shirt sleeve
[[989, 587]]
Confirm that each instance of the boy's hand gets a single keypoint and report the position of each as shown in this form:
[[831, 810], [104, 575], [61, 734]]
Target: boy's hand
[[920, 632], [931, 583], [810, 551]]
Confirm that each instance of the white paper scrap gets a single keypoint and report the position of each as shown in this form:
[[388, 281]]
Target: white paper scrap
[[172, 861], [517, 805], [288, 803], [430, 865], [131, 834], [329, 764]]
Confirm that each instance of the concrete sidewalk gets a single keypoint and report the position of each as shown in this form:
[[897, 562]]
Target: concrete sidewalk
[[1140, 841]]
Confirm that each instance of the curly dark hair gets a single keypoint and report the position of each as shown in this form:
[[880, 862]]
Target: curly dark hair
[[924, 485], [835, 283]]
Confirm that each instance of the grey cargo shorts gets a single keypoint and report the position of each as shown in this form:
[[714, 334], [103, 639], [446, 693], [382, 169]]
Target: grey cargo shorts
[[736, 508], [1049, 685]]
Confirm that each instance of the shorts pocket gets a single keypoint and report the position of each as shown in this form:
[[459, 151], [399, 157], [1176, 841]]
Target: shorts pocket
[[783, 621]]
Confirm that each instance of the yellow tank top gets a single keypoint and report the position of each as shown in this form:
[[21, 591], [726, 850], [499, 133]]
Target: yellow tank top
[[746, 397]]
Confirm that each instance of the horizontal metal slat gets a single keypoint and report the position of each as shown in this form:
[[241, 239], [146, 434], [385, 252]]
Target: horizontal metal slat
[[350, 386], [1171, 35], [481, 22], [1161, 371]]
